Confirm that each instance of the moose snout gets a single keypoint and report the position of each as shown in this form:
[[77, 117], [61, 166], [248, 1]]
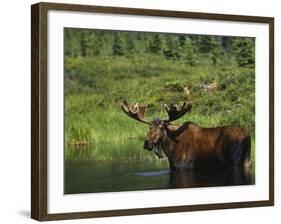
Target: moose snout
[[147, 145]]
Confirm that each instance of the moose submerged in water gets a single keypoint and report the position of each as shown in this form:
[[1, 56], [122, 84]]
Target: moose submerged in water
[[189, 146]]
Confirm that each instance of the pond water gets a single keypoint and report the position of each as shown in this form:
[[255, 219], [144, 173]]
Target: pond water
[[85, 174]]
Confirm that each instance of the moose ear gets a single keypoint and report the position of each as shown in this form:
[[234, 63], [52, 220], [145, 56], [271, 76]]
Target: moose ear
[[173, 134]]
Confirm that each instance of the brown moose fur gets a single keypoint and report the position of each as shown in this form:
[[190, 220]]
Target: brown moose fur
[[189, 146]]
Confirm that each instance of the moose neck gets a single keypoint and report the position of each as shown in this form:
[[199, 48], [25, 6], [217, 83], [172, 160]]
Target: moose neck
[[168, 146], [171, 140]]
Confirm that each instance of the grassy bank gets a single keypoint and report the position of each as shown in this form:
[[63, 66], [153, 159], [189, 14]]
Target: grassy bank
[[94, 88]]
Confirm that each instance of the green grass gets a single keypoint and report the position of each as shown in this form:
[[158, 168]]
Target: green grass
[[94, 88], [109, 152]]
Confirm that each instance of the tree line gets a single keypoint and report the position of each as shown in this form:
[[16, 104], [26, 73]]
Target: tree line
[[189, 48]]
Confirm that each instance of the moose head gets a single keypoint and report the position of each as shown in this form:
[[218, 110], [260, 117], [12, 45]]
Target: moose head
[[158, 128]]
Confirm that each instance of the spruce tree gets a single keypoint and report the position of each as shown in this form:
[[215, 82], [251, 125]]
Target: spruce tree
[[117, 47], [244, 51], [156, 43]]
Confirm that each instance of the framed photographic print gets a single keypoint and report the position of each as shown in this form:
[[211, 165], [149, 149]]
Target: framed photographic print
[[139, 111]]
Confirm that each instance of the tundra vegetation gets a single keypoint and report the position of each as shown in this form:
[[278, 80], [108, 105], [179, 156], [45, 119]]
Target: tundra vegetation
[[102, 68]]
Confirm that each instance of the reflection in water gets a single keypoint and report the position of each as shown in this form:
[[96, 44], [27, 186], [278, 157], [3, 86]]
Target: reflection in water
[[86, 173], [152, 173], [228, 177], [94, 176]]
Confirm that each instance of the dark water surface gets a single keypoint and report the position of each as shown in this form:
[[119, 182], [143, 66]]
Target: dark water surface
[[86, 176]]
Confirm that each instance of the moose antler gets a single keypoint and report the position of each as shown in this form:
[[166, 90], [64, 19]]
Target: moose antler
[[175, 112], [135, 111]]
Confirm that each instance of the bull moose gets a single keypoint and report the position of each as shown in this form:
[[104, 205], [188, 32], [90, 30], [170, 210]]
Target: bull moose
[[189, 146]]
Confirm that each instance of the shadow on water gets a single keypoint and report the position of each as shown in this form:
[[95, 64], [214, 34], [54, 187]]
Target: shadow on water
[[85, 174]]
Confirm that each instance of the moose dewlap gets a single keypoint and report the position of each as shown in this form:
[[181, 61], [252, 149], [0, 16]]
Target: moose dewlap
[[189, 146]]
